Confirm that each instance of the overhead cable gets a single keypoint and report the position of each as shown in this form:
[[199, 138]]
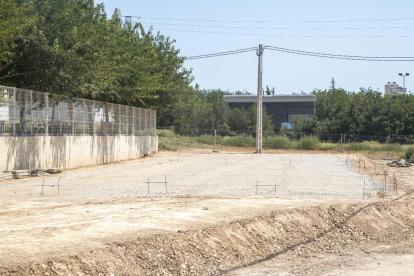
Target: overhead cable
[[305, 53], [277, 28], [332, 56], [277, 21], [222, 53], [299, 36]]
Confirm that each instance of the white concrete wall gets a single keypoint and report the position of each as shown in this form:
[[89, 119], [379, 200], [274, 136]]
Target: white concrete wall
[[39, 152]]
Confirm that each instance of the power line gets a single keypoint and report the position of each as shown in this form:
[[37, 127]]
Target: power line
[[305, 53], [339, 56], [278, 28], [293, 36], [333, 55], [278, 21], [222, 53]]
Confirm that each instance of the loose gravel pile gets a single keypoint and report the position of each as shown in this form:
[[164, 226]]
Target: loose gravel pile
[[313, 176]]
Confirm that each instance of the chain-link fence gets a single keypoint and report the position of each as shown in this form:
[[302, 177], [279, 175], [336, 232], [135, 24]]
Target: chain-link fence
[[28, 113]]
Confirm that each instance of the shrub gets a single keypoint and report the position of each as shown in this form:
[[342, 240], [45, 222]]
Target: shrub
[[310, 142], [409, 153], [162, 146], [164, 133]]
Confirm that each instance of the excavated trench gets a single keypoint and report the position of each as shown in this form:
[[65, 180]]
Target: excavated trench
[[227, 247]]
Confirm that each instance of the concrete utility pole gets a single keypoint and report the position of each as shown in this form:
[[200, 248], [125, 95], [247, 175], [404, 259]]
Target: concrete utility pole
[[259, 102]]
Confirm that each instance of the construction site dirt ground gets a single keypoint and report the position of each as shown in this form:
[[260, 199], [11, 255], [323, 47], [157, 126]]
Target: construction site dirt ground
[[292, 214]]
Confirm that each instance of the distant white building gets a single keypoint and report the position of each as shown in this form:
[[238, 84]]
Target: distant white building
[[394, 89]]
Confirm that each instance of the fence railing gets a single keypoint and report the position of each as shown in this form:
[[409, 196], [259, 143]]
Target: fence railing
[[27, 113]]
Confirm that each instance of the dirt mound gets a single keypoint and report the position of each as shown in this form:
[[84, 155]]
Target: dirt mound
[[218, 250]]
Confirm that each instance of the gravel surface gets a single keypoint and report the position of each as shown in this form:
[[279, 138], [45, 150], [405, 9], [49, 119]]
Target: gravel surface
[[313, 176]]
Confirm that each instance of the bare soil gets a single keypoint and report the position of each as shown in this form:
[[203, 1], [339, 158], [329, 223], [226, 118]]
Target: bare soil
[[80, 234]]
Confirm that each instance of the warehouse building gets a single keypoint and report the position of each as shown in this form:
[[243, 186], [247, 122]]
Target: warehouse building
[[282, 107]]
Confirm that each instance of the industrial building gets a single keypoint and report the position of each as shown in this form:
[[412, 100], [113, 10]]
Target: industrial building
[[282, 107], [394, 89]]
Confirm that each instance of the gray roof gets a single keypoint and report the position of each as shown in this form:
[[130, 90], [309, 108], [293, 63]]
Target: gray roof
[[270, 99]]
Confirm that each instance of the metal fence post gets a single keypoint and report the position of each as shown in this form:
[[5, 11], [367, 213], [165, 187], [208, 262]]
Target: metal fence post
[[47, 114], [119, 120], [127, 120], [155, 122], [73, 117], [60, 118], [113, 121], [145, 123], [133, 121], [93, 118], [301, 143], [31, 113], [139, 121], [14, 111], [84, 117], [173, 138], [215, 139]]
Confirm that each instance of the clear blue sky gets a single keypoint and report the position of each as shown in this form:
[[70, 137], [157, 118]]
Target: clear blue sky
[[286, 72]]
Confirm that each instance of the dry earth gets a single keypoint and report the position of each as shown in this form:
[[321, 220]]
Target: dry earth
[[94, 233]]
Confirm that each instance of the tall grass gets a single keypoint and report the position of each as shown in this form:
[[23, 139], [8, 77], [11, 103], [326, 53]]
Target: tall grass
[[374, 146], [279, 142], [238, 141]]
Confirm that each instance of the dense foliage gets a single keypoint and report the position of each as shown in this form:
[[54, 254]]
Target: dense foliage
[[366, 112], [201, 111], [70, 47]]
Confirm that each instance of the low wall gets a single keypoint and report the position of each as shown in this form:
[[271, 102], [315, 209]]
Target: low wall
[[38, 152]]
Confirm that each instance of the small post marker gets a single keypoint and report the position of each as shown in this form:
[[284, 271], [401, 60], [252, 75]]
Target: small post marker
[[165, 179], [363, 194], [396, 186], [148, 185]]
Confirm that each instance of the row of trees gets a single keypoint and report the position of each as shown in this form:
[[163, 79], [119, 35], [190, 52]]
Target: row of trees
[[71, 47], [366, 112], [205, 110]]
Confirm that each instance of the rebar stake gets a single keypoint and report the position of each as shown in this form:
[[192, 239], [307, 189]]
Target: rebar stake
[[165, 179], [363, 194]]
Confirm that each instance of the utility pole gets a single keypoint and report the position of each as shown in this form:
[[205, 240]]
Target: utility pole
[[259, 101]]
